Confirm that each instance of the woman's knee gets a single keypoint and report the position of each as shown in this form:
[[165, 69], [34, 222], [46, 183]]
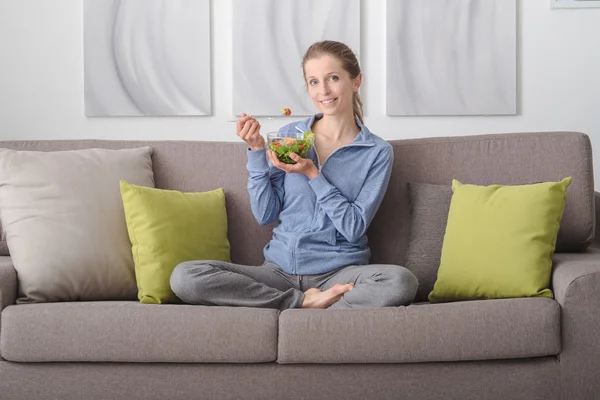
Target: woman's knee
[[403, 284], [180, 280]]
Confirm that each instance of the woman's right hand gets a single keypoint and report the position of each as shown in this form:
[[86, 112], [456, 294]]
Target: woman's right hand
[[248, 129]]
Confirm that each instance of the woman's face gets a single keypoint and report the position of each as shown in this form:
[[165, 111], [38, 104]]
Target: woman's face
[[330, 86]]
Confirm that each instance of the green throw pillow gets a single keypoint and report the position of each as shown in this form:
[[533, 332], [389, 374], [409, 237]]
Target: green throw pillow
[[499, 241], [167, 227]]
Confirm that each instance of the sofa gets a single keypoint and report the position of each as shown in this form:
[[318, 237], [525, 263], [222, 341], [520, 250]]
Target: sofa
[[515, 348]]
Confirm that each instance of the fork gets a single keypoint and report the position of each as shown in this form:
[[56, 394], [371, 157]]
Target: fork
[[267, 118], [285, 112]]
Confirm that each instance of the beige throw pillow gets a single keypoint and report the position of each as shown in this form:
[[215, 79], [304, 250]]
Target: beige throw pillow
[[65, 222]]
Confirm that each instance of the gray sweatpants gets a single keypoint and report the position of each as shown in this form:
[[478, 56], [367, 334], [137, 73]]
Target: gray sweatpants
[[268, 286]]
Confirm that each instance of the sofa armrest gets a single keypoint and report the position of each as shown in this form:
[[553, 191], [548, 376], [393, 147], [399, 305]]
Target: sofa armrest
[[576, 286]]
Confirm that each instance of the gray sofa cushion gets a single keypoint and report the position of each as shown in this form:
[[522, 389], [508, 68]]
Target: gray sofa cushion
[[8, 283], [429, 206], [462, 331], [133, 332], [3, 245]]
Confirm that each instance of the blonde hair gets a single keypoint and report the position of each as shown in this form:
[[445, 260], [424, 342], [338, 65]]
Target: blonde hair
[[349, 63]]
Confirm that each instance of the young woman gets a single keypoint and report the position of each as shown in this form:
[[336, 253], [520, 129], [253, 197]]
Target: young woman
[[318, 256]]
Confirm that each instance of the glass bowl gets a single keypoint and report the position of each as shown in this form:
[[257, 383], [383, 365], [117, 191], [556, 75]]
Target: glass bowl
[[284, 143]]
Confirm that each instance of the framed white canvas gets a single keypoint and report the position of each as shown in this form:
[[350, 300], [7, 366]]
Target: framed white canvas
[[147, 57], [451, 57], [269, 41]]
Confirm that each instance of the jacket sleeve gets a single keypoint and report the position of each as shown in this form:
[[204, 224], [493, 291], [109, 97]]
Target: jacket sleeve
[[352, 219], [265, 186]]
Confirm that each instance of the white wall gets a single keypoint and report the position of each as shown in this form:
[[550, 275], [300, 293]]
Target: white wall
[[41, 78]]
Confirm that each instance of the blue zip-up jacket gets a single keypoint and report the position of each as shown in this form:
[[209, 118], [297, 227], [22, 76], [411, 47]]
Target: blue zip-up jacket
[[322, 222]]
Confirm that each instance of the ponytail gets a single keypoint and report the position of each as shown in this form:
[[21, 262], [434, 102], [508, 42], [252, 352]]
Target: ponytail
[[357, 106]]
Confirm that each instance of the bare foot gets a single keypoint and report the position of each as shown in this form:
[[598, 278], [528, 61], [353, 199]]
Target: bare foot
[[315, 298]]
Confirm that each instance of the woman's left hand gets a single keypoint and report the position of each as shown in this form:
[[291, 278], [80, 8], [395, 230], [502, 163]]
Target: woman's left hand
[[304, 166]]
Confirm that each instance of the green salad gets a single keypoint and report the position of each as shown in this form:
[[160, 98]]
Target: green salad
[[286, 145]]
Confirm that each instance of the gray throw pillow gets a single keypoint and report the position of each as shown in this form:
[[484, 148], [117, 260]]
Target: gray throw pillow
[[65, 221], [429, 207]]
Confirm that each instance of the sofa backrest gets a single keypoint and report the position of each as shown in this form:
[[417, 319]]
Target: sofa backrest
[[509, 159], [514, 158]]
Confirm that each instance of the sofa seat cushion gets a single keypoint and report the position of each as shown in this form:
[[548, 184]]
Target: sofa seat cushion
[[128, 331], [461, 331]]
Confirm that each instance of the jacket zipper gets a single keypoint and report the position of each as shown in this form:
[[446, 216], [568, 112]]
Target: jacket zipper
[[293, 255]]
